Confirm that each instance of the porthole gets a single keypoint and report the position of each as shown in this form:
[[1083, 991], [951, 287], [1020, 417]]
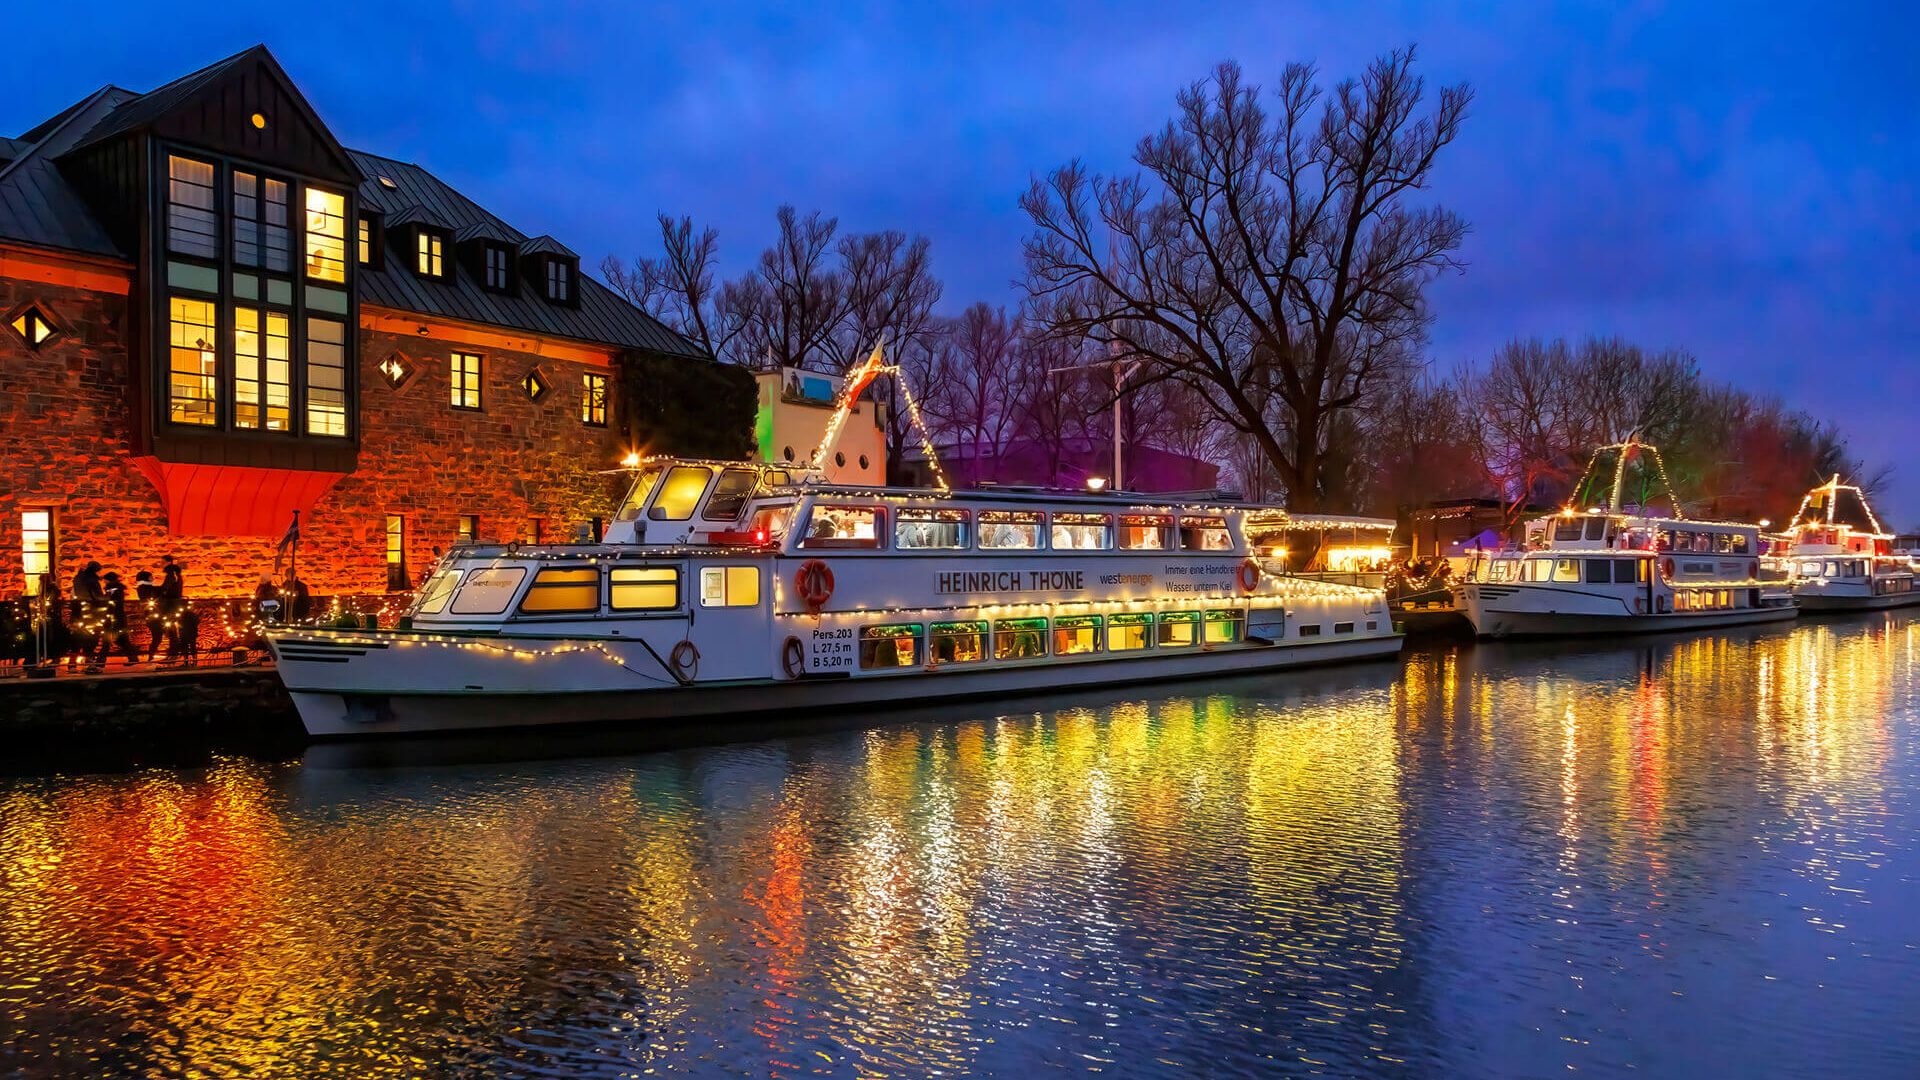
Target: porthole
[[840, 459], [863, 461], [788, 452]]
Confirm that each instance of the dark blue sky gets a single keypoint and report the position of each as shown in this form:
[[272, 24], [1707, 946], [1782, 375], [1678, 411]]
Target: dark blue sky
[[1735, 179]]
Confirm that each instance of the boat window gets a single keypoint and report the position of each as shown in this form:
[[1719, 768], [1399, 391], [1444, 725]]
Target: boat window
[[1126, 633], [890, 646], [1204, 533], [1145, 532], [1665, 543], [1011, 528], [1596, 528], [1019, 639], [1566, 570], [920, 530], [729, 586], [637, 495], [1833, 569], [730, 495], [1599, 572], [680, 492], [489, 591], [643, 588], [1076, 633], [1566, 528], [1628, 570], [843, 527], [560, 590], [1723, 543], [1502, 570], [1082, 532], [958, 642], [778, 478], [1741, 543], [1179, 628], [436, 592], [770, 523], [1229, 625]]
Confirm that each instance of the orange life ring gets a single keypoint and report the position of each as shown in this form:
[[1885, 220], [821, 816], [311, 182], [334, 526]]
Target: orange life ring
[[814, 582], [793, 659], [1249, 575], [685, 659], [1666, 567]]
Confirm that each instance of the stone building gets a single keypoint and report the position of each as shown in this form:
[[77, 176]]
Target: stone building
[[213, 316]]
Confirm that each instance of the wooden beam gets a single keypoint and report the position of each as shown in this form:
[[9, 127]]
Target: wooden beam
[[68, 269], [407, 324]]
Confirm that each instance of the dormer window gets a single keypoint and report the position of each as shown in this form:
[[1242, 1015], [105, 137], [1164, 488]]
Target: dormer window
[[559, 281], [430, 255], [497, 277], [371, 246]]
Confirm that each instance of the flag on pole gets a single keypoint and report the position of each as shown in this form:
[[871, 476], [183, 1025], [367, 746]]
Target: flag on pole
[[862, 377]]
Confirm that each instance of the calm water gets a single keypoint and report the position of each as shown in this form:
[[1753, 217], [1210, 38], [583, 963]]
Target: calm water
[[1670, 858]]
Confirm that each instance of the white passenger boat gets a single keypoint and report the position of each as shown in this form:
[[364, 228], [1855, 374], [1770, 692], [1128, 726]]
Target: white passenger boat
[[725, 588], [1840, 559], [1609, 570]]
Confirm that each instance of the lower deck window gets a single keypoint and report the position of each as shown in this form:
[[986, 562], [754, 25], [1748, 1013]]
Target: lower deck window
[[563, 591], [1019, 639], [958, 642], [729, 586], [884, 647], [1126, 633], [1227, 626], [1343, 628], [1179, 628], [1074, 634], [1310, 629]]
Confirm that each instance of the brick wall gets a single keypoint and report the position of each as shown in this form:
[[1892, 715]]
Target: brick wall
[[64, 445]]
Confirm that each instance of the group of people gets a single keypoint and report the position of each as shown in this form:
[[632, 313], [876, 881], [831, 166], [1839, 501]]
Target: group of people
[[99, 623]]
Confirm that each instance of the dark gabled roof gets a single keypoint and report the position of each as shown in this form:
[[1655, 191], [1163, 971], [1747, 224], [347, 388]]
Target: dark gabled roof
[[546, 245], [481, 230], [411, 214], [602, 315], [37, 204], [41, 208]]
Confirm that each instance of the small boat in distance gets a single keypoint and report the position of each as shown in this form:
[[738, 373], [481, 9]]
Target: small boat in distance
[[1839, 558], [1621, 570]]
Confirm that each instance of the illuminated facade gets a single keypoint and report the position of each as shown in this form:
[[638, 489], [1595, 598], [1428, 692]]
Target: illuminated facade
[[213, 316]]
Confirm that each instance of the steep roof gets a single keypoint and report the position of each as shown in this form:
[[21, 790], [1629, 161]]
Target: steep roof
[[40, 207]]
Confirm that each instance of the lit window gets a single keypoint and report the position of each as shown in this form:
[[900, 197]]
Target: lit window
[[326, 235], [33, 327], [36, 547], [1076, 634], [397, 555], [468, 528], [1019, 639], [430, 255], [535, 385], [1082, 532], [1204, 534], [643, 588], [559, 280], [593, 400], [262, 371], [192, 228], [930, 529], [1229, 626], [1126, 633], [957, 642], [563, 590], [260, 235], [465, 370], [489, 591], [1179, 628], [326, 377], [191, 366], [435, 593], [730, 494], [729, 586], [1010, 528], [844, 527], [496, 268], [890, 646], [370, 250], [679, 493]]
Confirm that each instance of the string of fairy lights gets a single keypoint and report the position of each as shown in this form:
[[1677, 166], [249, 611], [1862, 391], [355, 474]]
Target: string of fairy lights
[[857, 381], [200, 629]]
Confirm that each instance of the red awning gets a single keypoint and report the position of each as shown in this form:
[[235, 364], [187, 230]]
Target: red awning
[[233, 500]]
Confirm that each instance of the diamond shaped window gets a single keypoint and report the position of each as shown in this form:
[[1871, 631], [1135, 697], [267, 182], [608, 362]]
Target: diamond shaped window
[[33, 327], [396, 370], [535, 385]]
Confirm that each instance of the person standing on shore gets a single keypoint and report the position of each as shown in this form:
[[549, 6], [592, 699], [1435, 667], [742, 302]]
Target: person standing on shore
[[89, 614], [113, 630], [149, 596], [173, 603]]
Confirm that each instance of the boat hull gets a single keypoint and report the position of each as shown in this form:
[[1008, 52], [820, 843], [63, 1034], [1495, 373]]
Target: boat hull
[[334, 715], [1827, 603], [1505, 611]]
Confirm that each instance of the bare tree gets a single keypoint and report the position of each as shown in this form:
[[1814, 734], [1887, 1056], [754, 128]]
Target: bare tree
[[678, 288], [973, 383], [1524, 414], [890, 293], [1272, 261], [793, 302]]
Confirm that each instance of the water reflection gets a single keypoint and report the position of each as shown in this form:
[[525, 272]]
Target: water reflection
[[1509, 860]]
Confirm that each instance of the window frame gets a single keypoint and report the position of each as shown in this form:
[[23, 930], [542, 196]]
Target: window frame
[[1005, 636], [431, 258], [370, 241], [1036, 519], [977, 629], [937, 516], [613, 585], [394, 537], [536, 586], [727, 572], [458, 378], [809, 542], [594, 394], [1166, 619], [1130, 620], [51, 552], [488, 250]]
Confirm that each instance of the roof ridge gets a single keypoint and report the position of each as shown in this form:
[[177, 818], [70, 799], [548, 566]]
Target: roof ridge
[[62, 120]]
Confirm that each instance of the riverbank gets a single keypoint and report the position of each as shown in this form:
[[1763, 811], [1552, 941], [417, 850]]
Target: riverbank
[[165, 714]]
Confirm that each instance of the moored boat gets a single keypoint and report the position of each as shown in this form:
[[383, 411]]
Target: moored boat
[[1839, 558], [726, 588], [1615, 570]]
